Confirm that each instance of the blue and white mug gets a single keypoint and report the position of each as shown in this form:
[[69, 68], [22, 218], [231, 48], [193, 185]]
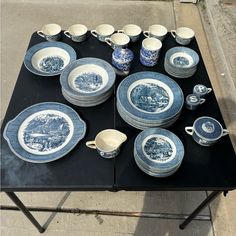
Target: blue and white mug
[[183, 35], [103, 31], [133, 31], [156, 31], [76, 33], [118, 40], [51, 32]]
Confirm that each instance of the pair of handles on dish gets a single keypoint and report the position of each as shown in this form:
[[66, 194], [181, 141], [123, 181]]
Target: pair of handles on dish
[[190, 130]]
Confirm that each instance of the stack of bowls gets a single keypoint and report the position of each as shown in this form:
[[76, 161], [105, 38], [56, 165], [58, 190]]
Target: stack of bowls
[[149, 99], [158, 152], [87, 82], [181, 62]]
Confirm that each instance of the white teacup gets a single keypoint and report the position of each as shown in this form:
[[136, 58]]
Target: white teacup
[[51, 32], [156, 31], [77, 32], [183, 35], [118, 40], [103, 31], [133, 31]]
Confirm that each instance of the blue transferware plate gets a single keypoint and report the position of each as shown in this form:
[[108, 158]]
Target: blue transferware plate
[[159, 149], [150, 97], [49, 58], [87, 77], [44, 132]]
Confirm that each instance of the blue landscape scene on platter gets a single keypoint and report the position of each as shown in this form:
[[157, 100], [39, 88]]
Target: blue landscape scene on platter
[[51, 64], [158, 149], [149, 97], [181, 61], [46, 132], [88, 82]]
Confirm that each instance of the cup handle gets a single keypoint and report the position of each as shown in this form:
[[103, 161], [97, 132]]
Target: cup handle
[[209, 90], [67, 34], [120, 31], [173, 33], [40, 33], [94, 33], [225, 132], [202, 100], [146, 34], [108, 41], [189, 130], [91, 144]]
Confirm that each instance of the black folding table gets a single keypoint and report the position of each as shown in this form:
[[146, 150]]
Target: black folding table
[[203, 168]]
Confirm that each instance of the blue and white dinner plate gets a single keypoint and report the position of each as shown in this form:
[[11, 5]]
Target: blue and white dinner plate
[[158, 152], [49, 58], [44, 132], [149, 99]]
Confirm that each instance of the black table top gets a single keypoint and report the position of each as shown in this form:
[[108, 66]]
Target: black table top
[[203, 168]]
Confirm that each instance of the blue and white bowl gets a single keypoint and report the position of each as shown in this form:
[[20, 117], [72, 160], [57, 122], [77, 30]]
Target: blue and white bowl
[[88, 81], [181, 62], [44, 132], [158, 152], [49, 58], [149, 99]]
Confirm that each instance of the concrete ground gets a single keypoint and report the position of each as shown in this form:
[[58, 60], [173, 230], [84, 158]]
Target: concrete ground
[[160, 212]]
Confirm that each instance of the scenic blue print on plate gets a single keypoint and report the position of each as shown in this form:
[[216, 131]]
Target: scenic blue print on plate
[[46, 132], [51, 64], [181, 61], [158, 149], [149, 97], [88, 82]]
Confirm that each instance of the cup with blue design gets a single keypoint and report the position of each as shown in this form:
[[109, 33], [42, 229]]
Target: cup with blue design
[[51, 32], [149, 53], [76, 33], [103, 31], [201, 90], [183, 35], [133, 31], [193, 101], [118, 40], [156, 31]]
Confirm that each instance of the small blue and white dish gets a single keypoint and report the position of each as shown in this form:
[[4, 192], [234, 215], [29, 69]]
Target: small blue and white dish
[[201, 90], [181, 62], [158, 152], [206, 131], [192, 101], [88, 80], [147, 99], [49, 58], [44, 132]]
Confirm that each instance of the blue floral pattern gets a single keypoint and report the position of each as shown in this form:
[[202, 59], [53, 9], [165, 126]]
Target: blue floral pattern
[[51, 64], [46, 132], [181, 61], [158, 149], [88, 82], [149, 97]]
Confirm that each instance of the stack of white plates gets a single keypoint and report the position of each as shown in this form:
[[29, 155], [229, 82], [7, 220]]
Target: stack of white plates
[[149, 99], [158, 152], [87, 82], [181, 62]]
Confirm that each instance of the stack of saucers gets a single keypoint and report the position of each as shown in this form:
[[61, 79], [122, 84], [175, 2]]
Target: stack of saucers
[[181, 62], [87, 82], [158, 152], [149, 99]]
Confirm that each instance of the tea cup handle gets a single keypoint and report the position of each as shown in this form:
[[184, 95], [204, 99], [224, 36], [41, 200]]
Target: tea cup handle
[[120, 31], [225, 132], [67, 34], [40, 33], [91, 144], [146, 34], [209, 90], [94, 33], [173, 33], [202, 100], [108, 41], [189, 130]]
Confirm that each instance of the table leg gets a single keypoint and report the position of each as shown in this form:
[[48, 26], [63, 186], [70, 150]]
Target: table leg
[[210, 198], [26, 212]]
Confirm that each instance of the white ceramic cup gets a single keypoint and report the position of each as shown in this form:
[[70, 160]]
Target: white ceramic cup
[[103, 31], [51, 32], [133, 31], [118, 40], [156, 31], [183, 35], [77, 32]]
